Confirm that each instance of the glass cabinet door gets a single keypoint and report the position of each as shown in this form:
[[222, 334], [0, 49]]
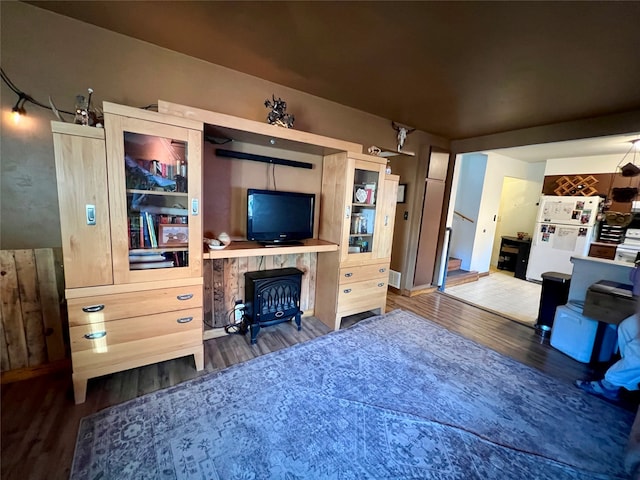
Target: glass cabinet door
[[157, 209], [365, 197], [156, 176]]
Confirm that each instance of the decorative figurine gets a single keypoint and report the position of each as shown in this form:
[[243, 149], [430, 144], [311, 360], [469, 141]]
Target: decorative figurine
[[83, 106], [85, 113], [402, 134], [277, 115]]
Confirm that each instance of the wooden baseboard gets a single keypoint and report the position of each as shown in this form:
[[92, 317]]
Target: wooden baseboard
[[210, 333], [405, 292], [19, 374], [422, 289]]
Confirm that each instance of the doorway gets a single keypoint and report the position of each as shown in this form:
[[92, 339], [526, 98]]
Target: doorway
[[505, 205]]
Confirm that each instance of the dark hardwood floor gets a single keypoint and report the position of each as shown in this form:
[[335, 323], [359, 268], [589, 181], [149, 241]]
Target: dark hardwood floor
[[39, 420]]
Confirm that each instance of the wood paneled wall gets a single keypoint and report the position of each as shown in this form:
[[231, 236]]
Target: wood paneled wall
[[31, 326], [224, 282]]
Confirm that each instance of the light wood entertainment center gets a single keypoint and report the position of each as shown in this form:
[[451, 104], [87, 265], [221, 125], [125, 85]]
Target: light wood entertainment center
[[138, 283]]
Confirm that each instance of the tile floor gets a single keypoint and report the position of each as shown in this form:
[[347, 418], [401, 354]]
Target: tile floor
[[501, 292]]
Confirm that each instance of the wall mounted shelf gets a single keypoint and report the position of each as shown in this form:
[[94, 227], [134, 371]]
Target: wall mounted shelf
[[254, 249], [394, 153]]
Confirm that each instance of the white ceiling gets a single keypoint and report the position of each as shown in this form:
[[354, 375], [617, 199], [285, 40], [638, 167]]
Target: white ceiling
[[612, 145]]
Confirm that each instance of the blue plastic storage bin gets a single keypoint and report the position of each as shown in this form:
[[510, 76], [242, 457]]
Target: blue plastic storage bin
[[574, 335]]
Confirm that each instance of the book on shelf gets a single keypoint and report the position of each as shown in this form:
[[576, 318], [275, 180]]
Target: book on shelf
[[152, 230], [181, 259], [134, 232], [149, 265], [144, 231], [146, 257], [370, 188]]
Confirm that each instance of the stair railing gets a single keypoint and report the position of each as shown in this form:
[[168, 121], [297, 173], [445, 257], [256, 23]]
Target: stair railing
[[444, 260], [464, 217]]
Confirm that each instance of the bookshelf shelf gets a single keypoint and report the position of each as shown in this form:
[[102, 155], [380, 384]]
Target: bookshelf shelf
[[143, 251], [365, 205], [157, 192]]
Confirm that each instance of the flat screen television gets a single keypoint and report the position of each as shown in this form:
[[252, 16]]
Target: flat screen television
[[279, 218]]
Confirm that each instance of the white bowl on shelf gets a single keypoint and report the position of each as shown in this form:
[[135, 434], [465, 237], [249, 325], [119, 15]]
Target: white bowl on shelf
[[217, 247]]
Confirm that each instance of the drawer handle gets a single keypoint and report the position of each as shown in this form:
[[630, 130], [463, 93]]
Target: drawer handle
[[347, 290], [93, 308], [349, 274], [279, 314], [186, 296], [95, 335], [382, 270], [381, 284], [184, 319]]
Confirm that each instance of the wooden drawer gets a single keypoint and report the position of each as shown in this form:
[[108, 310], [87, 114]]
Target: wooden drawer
[[603, 251], [105, 308], [362, 294], [122, 344], [364, 272]]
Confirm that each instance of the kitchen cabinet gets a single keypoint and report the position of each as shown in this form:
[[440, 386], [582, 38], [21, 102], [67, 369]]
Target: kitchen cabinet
[[131, 229], [357, 212], [514, 256]]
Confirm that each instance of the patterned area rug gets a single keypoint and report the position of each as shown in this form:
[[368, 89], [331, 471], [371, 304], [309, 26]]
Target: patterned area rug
[[394, 396]]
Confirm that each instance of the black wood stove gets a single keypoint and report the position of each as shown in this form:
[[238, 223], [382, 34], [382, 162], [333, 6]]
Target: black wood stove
[[272, 296]]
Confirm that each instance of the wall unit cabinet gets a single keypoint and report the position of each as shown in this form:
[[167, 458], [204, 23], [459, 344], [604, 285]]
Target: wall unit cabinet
[[130, 199], [357, 212], [132, 240]]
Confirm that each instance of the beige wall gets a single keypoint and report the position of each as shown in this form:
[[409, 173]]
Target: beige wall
[[47, 54], [226, 181]]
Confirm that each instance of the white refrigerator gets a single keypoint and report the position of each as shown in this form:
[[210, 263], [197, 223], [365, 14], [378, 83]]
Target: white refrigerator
[[565, 227]]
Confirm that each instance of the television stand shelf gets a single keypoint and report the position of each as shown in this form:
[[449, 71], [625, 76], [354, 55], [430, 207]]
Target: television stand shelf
[[255, 249]]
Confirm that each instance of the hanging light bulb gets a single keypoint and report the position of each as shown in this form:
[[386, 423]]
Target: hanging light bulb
[[18, 110]]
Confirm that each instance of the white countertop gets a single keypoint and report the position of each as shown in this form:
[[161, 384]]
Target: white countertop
[[589, 270], [601, 260]]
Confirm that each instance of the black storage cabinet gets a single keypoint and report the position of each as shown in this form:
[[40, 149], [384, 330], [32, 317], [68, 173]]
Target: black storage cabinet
[[514, 256], [555, 292]]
